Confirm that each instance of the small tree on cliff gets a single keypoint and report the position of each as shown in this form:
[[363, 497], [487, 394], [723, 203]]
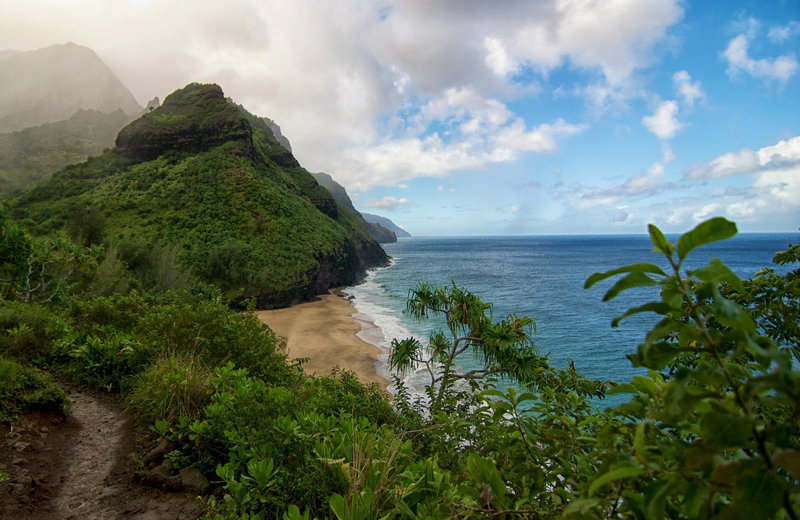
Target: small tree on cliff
[[504, 347]]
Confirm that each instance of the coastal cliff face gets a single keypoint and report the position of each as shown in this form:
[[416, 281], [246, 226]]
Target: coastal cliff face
[[378, 231], [202, 178]]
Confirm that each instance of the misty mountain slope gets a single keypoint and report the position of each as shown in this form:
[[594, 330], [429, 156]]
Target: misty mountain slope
[[378, 231], [53, 83], [32, 155], [202, 178], [386, 223]]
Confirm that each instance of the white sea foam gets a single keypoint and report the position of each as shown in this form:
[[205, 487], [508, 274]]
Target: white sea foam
[[380, 324]]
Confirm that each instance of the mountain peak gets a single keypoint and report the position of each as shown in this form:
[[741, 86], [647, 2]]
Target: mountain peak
[[191, 119], [52, 83]]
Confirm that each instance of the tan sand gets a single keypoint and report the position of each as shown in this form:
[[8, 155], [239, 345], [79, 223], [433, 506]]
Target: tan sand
[[324, 331]]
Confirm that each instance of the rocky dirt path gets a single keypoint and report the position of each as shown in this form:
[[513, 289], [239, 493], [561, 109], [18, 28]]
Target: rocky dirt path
[[85, 491], [80, 469]]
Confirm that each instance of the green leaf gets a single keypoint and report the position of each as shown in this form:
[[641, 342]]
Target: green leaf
[[790, 461], [623, 388], [637, 279], [660, 241], [717, 272], [656, 497], [657, 355], [581, 506], [657, 307], [338, 506], [621, 472], [711, 230], [633, 268], [730, 314], [639, 445]]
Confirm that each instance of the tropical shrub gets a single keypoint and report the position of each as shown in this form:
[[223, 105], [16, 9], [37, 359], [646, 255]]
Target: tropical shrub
[[24, 388]]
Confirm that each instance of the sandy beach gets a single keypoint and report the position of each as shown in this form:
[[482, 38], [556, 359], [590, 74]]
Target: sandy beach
[[324, 331]]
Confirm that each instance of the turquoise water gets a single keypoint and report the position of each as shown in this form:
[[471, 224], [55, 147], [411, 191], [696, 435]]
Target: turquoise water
[[541, 277]]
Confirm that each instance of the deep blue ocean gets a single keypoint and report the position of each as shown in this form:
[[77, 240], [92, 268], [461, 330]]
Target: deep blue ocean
[[541, 277]]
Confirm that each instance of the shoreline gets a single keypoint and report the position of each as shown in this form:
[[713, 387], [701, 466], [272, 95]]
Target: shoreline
[[328, 332]]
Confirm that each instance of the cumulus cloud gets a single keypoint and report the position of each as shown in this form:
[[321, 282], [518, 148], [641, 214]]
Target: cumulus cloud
[[387, 202], [739, 61], [442, 189], [300, 64], [785, 154], [498, 59], [436, 155], [686, 89], [664, 122], [782, 33]]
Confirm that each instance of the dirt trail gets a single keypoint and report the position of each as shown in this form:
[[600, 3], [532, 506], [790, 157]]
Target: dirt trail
[[80, 469], [85, 492]]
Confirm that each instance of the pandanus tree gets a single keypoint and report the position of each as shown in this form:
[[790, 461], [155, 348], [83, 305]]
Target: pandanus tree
[[504, 348]]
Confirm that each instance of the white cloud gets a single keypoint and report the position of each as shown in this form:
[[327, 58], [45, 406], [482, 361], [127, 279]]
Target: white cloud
[[578, 31], [498, 59], [515, 137], [397, 160], [664, 122], [784, 154], [705, 212], [686, 89], [621, 216], [327, 71], [387, 202], [736, 54], [783, 185], [644, 184], [781, 33], [442, 189]]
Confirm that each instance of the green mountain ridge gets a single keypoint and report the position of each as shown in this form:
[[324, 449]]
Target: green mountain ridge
[[204, 178], [32, 155], [382, 229]]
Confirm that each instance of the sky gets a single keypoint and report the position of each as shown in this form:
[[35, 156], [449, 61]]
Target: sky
[[491, 117]]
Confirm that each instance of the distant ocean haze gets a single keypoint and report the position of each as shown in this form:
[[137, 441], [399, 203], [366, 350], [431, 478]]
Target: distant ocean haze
[[542, 277]]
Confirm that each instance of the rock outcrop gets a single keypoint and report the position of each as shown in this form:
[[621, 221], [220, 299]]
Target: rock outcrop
[[191, 120]]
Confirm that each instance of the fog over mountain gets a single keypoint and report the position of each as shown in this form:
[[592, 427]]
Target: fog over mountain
[[53, 83]]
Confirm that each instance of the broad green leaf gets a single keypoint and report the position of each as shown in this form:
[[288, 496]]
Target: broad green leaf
[[790, 461], [637, 279], [717, 272], [660, 241], [757, 493], [656, 497], [657, 307], [711, 230], [657, 355], [693, 497], [621, 472], [639, 445], [624, 388], [730, 314], [338, 505], [633, 268], [580, 506]]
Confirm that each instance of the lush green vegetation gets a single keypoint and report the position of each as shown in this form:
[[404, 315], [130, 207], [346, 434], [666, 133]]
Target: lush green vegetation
[[712, 430], [200, 189], [30, 156]]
